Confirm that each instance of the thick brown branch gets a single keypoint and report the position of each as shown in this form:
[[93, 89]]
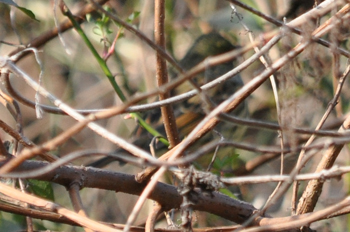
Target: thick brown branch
[[164, 194]]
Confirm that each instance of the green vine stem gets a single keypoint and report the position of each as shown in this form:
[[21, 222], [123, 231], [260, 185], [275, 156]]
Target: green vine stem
[[107, 72]]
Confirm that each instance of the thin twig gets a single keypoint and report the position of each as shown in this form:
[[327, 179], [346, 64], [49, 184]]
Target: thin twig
[[321, 10], [267, 62], [152, 217], [335, 172], [77, 202], [228, 105], [51, 34], [44, 204], [48, 146], [314, 188], [289, 56], [168, 116], [325, 116], [8, 64]]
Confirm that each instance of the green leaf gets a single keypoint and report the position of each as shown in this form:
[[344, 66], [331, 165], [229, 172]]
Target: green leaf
[[228, 193], [226, 161], [218, 164], [102, 23], [229, 159], [133, 16], [42, 189], [24, 10], [97, 31], [28, 13]]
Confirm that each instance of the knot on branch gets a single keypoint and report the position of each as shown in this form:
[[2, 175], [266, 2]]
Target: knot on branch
[[192, 178]]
